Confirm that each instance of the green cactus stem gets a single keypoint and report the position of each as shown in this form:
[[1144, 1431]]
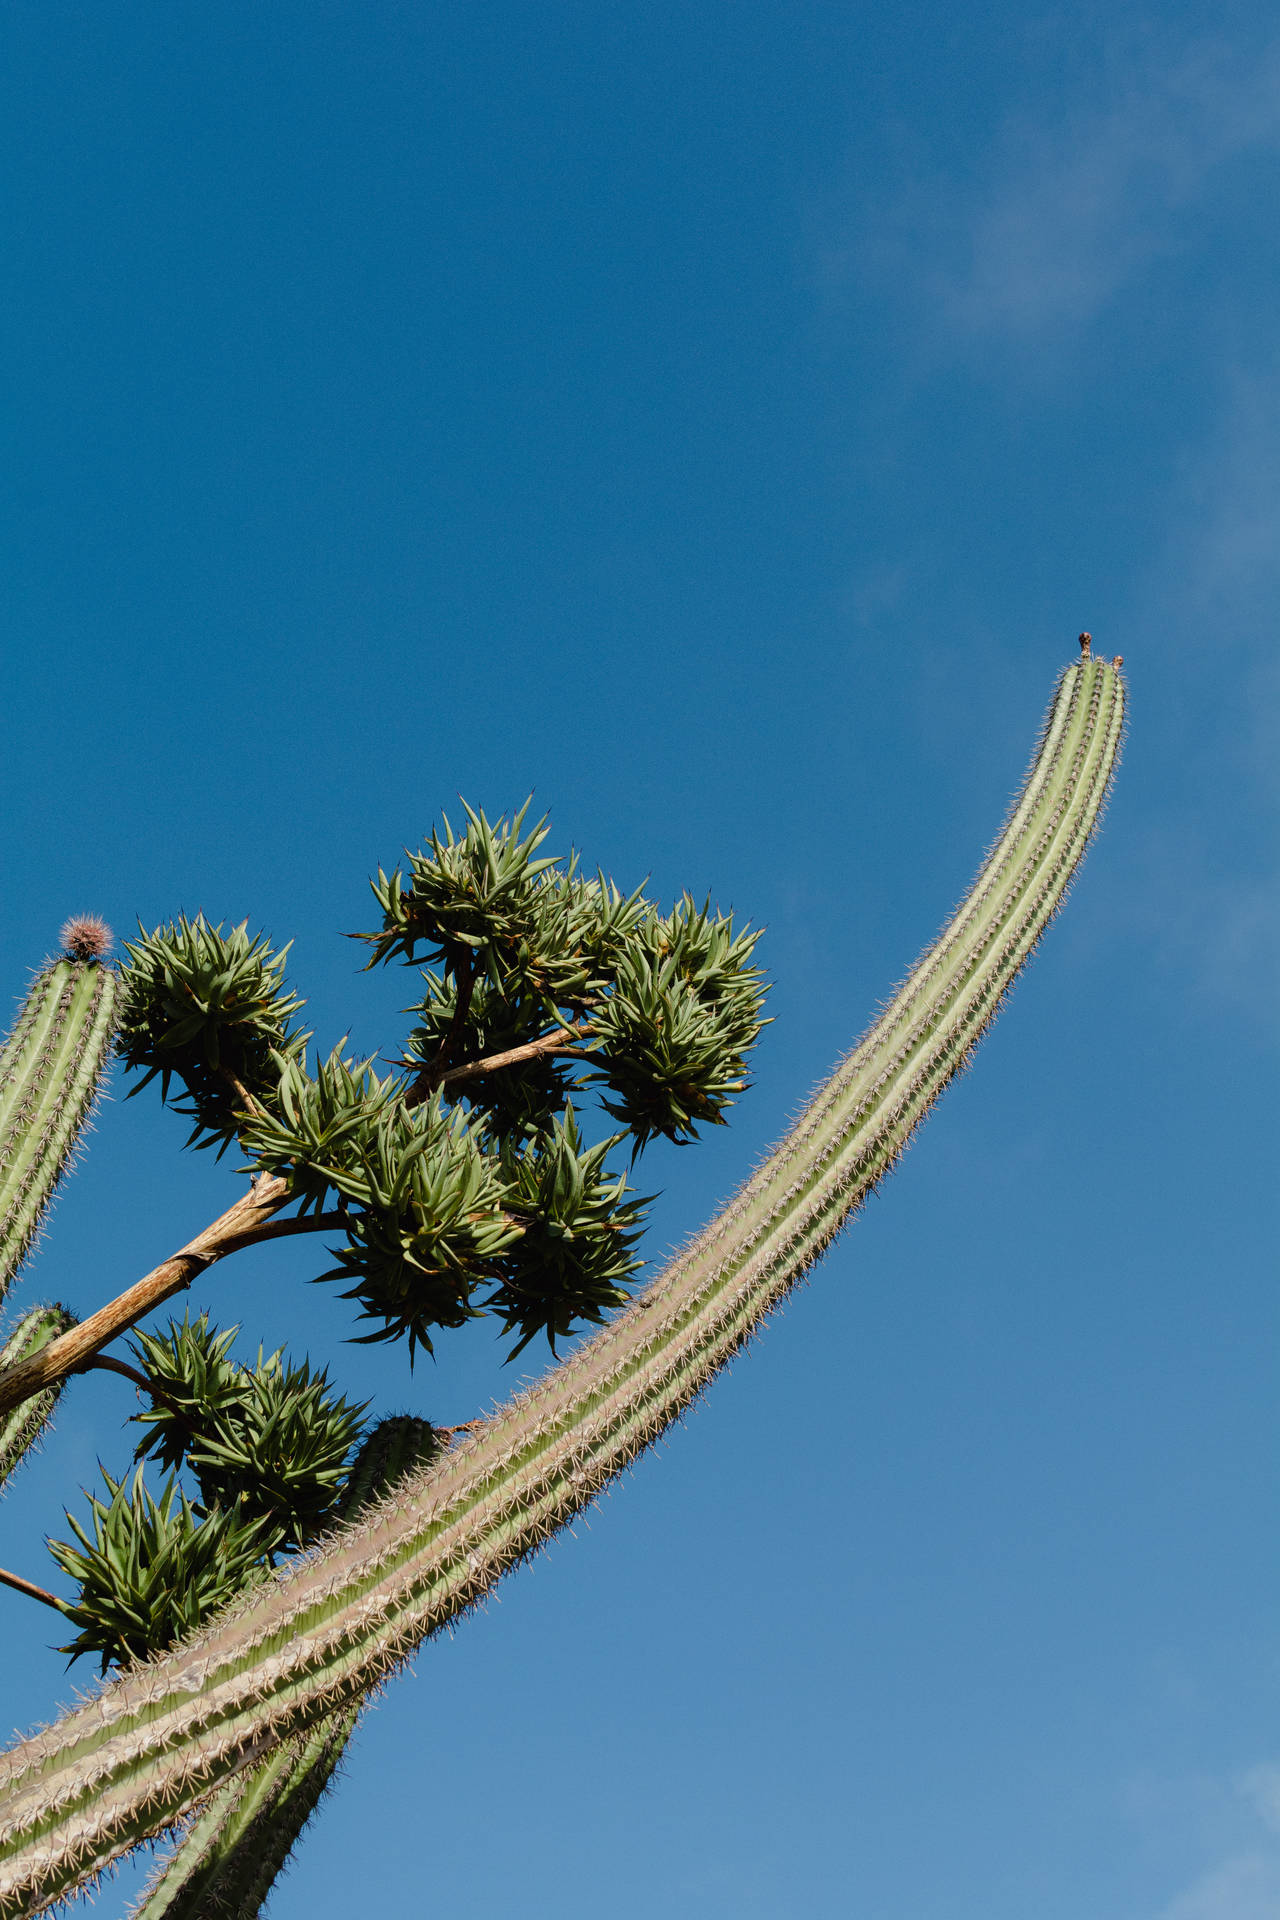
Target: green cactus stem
[[227, 1862], [137, 1756], [239, 1844], [50, 1068], [22, 1426]]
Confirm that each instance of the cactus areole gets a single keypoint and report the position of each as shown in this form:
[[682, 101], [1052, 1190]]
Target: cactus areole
[[147, 1747]]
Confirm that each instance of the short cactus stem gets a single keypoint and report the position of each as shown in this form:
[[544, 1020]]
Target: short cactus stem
[[50, 1068], [141, 1753], [235, 1849], [226, 1863], [22, 1426]]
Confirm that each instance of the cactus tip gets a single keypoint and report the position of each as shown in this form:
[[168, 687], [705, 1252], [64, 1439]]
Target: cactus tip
[[86, 937], [1086, 641]]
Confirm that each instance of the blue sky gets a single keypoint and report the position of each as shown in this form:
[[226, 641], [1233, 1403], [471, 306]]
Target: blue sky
[[718, 420]]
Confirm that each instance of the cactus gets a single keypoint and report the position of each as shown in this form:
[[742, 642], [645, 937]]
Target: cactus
[[50, 1068], [164, 1735], [238, 1845], [22, 1426]]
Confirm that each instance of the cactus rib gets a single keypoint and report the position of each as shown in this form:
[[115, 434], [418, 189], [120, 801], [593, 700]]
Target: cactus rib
[[21, 1427], [133, 1759], [227, 1862], [49, 1072]]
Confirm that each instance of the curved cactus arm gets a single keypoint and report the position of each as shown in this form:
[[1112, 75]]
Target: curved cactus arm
[[141, 1753], [22, 1426], [50, 1068], [227, 1862]]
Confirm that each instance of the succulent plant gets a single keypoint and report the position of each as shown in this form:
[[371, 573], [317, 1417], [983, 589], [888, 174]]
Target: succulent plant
[[452, 1195]]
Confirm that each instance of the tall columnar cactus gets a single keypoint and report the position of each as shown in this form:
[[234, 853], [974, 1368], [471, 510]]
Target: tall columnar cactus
[[224, 1866], [144, 1751], [50, 1067], [21, 1427]]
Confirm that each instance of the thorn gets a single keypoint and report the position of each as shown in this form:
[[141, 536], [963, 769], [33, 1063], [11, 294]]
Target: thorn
[[1118, 662], [1086, 640]]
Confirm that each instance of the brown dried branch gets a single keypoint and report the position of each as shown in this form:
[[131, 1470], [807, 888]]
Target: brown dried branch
[[250, 1221], [552, 1044], [29, 1587]]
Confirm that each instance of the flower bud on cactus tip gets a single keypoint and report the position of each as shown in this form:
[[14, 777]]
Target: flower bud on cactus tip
[[86, 937]]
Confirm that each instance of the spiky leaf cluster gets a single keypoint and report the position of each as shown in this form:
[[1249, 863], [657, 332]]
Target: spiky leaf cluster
[[659, 1009], [517, 1099], [539, 981], [444, 1220], [468, 898], [151, 1570], [432, 1222], [422, 1193], [270, 1441], [322, 1131], [213, 1010], [580, 1228], [465, 1185], [685, 1007], [268, 1447]]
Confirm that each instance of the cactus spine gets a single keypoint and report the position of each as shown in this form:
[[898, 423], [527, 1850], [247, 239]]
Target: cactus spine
[[227, 1862], [136, 1757], [50, 1067], [22, 1425]]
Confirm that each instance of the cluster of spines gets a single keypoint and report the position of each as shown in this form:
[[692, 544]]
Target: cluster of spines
[[158, 1739], [22, 1426], [50, 1068], [229, 1858]]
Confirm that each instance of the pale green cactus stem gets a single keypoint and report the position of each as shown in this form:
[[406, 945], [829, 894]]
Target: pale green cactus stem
[[226, 1863], [139, 1755], [50, 1068], [21, 1427], [238, 1845]]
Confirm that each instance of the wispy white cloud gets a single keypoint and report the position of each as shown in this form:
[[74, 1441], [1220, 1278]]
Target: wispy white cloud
[[1245, 1887], [1203, 611], [1213, 584], [1232, 1822], [1041, 235], [1071, 206], [1224, 546], [1245, 1883], [1260, 1787]]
